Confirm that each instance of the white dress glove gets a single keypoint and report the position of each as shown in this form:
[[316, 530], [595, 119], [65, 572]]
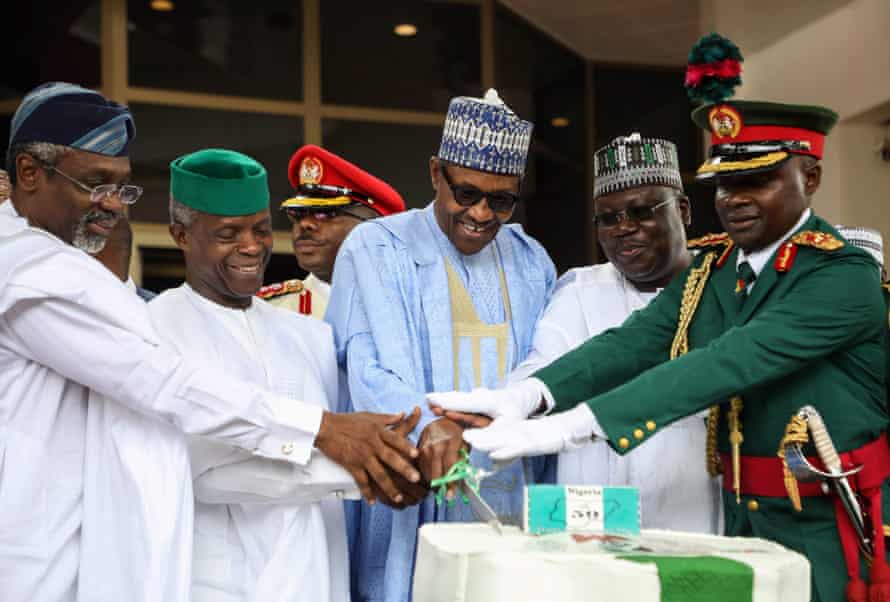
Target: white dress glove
[[509, 439], [517, 401]]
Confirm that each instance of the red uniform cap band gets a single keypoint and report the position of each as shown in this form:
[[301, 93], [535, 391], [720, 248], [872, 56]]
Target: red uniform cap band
[[322, 179]]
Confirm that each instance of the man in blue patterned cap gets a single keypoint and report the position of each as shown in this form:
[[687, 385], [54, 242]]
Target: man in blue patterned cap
[[75, 142], [776, 313], [69, 331], [441, 298]]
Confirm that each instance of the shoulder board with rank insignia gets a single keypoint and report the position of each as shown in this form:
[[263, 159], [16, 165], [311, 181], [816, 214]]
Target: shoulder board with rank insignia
[[270, 291], [819, 240], [709, 240], [714, 240]]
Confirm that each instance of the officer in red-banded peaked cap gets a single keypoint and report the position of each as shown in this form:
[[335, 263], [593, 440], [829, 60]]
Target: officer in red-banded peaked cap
[[332, 196]]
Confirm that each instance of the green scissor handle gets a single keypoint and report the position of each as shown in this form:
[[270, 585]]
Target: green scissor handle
[[462, 470]]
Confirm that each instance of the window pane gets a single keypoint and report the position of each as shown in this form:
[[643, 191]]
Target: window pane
[[544, 83], [365, 63], [164, 133], [224, 47], [397, 154], [54, 41]]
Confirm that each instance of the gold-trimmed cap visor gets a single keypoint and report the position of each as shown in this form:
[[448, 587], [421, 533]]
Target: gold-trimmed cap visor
[[312, 201], [721, 165], [326, 195]]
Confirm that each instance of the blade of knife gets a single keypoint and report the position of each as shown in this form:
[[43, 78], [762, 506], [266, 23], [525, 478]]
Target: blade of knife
[[480, 508]]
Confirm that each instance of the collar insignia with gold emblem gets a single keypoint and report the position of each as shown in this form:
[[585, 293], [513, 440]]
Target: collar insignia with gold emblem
[[725, 121], [311, 170], [819, 240], [785, 257]]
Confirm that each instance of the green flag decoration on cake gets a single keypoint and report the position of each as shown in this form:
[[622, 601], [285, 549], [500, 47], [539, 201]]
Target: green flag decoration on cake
[[701, 578]]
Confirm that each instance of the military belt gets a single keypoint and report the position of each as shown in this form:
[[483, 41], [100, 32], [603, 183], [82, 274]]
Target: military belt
[[762, 475]]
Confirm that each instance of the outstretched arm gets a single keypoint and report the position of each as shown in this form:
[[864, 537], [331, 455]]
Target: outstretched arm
[[64, 311]]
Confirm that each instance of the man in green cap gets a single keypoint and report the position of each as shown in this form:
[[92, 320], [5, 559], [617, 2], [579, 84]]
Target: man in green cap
[[773, 315], [219, 218]]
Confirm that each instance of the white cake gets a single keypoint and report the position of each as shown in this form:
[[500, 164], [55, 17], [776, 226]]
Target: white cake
[[471, 562]]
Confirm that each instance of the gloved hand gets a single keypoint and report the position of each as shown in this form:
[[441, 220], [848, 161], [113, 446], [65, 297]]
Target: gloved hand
[[517, 401], [509, 439]]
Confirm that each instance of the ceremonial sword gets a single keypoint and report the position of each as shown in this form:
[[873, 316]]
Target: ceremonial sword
[[836, 478]]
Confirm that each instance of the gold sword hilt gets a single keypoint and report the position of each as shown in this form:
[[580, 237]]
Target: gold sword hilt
[[836, 475], [824, 445]]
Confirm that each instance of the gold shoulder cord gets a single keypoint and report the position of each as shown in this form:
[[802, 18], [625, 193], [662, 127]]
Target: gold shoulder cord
[[735, 444], [692, 293]]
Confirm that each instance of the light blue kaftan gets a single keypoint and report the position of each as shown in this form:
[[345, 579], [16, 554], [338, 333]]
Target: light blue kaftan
[[391, 314]]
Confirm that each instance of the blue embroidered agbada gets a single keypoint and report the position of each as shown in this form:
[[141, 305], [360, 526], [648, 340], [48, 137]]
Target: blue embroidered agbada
[[391, 313]]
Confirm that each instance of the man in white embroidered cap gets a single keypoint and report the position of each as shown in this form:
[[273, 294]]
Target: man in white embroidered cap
[[436, 299]]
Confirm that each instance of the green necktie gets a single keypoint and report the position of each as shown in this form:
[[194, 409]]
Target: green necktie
[[745, 276]]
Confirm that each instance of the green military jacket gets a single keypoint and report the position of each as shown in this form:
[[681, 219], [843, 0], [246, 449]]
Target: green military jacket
[[813, 334]]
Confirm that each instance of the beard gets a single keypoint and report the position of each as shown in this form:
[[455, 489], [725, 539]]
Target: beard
[[90, 242]]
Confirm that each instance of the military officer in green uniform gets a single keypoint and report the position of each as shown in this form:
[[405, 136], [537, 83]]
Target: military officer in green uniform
[[775, 314]]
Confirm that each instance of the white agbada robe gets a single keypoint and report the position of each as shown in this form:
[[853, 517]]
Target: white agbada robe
[[263, 530], [675, 490], [68, 326], [137, 481]]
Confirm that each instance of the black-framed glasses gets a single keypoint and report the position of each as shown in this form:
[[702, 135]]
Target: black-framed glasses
[[127, 193], [319, 214], [636, 214], [467, 196]]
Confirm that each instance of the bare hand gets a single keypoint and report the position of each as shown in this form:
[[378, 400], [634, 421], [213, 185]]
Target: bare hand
[[465, 419], [363, 445], [412, 492], [440, 444]]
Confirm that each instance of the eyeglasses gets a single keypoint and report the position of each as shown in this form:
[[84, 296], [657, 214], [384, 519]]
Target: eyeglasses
[[467, 196], [319, 214], [127, 193], [634, 214]]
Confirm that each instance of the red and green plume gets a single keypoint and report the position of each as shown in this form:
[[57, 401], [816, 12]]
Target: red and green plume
[[714, 69]]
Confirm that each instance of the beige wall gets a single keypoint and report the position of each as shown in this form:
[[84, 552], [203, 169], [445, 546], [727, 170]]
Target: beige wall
[[829, 52]]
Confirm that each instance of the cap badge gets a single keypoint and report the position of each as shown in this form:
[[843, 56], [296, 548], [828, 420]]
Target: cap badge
[[311, 171], [725, 121]]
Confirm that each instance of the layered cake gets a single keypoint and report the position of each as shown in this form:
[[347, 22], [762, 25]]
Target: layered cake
[[473, 562]]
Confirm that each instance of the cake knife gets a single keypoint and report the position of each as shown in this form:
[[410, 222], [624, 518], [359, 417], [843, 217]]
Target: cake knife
[[480, 508]]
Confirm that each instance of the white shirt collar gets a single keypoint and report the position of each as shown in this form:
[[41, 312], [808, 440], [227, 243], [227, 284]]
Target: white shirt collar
[[314, 282], [214, 305], [7, 208], [757, 259]]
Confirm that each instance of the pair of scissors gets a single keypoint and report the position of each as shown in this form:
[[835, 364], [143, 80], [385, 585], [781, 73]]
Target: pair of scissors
[[480, 507]]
